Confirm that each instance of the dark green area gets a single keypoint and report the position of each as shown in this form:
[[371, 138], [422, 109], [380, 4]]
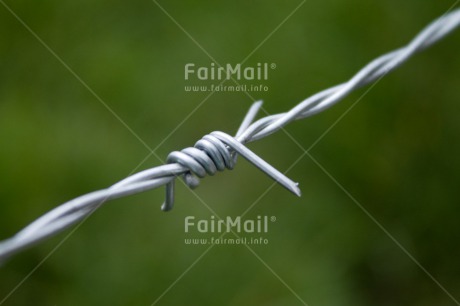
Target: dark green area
[[395, 153]]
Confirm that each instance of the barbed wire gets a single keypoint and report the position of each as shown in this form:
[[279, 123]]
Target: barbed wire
[[218, 151]]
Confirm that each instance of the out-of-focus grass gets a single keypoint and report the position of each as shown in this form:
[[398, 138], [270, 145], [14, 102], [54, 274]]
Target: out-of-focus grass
[[395, 153]]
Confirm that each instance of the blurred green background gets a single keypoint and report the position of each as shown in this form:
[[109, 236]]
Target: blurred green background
[[396, 153]]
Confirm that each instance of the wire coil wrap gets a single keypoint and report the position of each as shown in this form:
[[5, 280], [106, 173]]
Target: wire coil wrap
[[217, 152], [208, 156]]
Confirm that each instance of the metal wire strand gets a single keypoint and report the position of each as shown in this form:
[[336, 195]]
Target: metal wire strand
[[214, 152], [204, 158]]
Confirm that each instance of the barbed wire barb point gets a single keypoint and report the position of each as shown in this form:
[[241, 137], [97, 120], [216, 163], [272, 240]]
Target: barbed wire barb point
[[217, 152]]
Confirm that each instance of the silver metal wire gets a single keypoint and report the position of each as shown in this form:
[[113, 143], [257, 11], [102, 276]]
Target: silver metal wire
[[219, 150], [213, 152]]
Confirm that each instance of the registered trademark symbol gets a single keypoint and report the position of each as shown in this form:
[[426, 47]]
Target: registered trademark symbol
[[273, 66], [273, 218]]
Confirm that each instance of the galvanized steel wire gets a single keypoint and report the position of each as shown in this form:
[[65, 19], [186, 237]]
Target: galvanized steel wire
[[206, 159]]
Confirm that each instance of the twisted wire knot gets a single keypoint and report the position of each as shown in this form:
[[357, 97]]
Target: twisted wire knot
[[208, 156], [212, 153]]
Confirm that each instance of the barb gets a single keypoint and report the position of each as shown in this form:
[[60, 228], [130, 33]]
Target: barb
[[217, 151], [201, 157]]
